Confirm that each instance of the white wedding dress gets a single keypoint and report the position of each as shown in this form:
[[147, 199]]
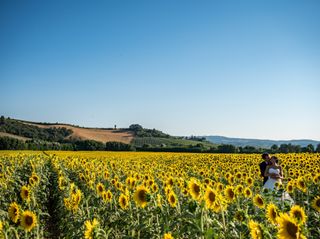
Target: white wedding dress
[[270, 184]]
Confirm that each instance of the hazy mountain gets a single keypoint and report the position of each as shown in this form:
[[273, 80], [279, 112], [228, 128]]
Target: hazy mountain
[[264, 143]]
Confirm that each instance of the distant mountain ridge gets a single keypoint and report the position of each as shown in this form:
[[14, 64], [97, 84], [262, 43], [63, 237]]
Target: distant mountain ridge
[[263, 143]]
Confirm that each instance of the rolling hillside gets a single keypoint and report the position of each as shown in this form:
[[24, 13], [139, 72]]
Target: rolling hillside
[[135, 135], [263, 143]]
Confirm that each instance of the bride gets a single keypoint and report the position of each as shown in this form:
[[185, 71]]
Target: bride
[[275, 175]]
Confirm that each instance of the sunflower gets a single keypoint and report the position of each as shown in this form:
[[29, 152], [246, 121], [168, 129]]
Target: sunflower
[[28, 220], [272, 213], [289, 188], [141, 196], [229, 193], [210, 197], [89, 228], [1, 226], [255, 230], [258, 201], [123, 201], [249, 181], [239, 216], [14, 212], [298, 213], [288, 228], [301, 185], [195, 189], [172, 199], [247, 192], [168, 236], [100, 189], [219, 187], [316, 203], [25, 193], [239, 190]]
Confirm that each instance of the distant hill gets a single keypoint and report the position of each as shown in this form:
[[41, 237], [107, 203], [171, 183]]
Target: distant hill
[[262, 143], [68, 136]]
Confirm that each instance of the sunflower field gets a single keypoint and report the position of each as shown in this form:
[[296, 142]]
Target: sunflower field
[[155, 195]]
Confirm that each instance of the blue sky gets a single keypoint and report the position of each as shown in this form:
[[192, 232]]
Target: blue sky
[[235, 68]]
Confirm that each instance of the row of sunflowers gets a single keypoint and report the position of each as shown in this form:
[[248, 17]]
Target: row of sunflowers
[[155, 195]]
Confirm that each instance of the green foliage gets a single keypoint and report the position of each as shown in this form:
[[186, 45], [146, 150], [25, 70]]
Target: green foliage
[[118, 146], [30, 131]]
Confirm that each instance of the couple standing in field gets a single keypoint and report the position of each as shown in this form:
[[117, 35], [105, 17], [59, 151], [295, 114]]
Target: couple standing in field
[[272, 173]]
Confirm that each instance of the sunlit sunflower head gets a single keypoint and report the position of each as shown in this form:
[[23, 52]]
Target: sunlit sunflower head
[[14, 212], [316, 203], [141, 196], [288, 227], [301, 184], [239, 189], [219, 187], [210, 197], [289, 188], [100, 189], [298, 213], [168, 236], [229, 193], [28, 220], [247, 192], [255, 230], [25, 193], [124, 201], [195, 189], [258, 201], [90, 228], [272, 213], [172, 199]]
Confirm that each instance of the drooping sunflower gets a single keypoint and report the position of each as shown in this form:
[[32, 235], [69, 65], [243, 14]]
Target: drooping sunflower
[[288, 227], [28, 220], [168, 236], [298, 213], [316, 203], [14, 212], [172, 199], [239, 216], [255, 230], [90, 227], [141, 196], [195, 189], [123, 201], [25, 193], [258, 201], [272, 213]]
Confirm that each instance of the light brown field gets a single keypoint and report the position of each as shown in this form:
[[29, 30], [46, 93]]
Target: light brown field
[[3, 134], [102, 135]]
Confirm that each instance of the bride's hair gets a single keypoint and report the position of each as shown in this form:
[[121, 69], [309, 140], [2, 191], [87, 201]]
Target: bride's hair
[[275, 158]]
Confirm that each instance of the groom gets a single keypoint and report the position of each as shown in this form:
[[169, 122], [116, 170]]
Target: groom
[[263, 166]]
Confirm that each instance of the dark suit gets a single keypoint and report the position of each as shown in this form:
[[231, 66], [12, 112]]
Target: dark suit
[[263, 167]]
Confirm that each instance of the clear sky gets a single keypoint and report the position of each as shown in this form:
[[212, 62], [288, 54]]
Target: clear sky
[[234, 68]]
